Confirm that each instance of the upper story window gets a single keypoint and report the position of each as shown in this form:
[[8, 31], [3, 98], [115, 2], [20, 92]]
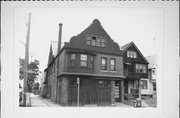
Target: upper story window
[[113, 65], [83, 60], [131, 54], [91, 61], [96, 41], [72, 60], [103, 63], [141, 68]]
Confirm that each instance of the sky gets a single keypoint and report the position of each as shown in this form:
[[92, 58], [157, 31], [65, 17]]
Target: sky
[[140, 25]]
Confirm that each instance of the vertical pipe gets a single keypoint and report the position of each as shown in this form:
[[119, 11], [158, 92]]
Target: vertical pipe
[[122, 90], [78, 82]]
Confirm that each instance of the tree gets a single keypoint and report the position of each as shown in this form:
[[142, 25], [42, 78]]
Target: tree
[[33, 70]]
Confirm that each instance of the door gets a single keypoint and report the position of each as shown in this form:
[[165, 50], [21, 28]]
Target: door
[[103, 93]]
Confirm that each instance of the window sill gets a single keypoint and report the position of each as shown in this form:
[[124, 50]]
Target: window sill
[[104, 70], [113, 71]]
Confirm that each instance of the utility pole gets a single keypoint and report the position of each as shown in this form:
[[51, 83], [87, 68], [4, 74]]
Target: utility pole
[[25, 87]]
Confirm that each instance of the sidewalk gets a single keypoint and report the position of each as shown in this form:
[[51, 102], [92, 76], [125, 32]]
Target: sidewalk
[[118, 104], [38, 101]]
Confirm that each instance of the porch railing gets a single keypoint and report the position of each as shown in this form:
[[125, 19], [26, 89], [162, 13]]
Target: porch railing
[[131, 74], [133, 95]]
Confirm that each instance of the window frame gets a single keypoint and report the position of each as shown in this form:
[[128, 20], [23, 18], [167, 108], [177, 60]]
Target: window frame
[[131, 54], [114, 66], [141, 68], [96, 40], [73, 60], [83, 60], [103, 66]]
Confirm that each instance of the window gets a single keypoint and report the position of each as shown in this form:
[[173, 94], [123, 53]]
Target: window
[[104, 84], [88, 40], [91, 61], [144, 84], [73, 60], [98, 41], [103, 63], [154, 86], [113, 65], [131, 54], [141, 68], [95, 41], [83, 60], [102, 42]]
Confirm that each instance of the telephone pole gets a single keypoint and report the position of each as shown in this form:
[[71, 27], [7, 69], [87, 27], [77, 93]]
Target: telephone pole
[[25, 87]]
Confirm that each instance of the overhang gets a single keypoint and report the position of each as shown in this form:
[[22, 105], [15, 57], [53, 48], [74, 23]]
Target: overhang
[[96, 76]]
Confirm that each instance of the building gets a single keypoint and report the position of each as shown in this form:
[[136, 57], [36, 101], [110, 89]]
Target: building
[[91, 60], [135, 70], [151, 82]]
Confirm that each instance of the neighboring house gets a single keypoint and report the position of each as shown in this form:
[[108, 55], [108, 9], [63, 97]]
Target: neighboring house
[[151, 82], [135, 69], [94, 58], [51, 76]]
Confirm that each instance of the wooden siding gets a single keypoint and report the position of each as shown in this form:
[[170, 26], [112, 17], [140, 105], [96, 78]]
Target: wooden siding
[[90, 92]]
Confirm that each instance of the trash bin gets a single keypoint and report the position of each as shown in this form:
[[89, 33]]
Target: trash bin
[[137, 103]]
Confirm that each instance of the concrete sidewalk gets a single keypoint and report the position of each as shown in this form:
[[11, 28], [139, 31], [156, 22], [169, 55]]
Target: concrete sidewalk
[[38, 101]]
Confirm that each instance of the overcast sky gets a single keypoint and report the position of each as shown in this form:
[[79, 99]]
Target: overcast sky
[[140, 25]]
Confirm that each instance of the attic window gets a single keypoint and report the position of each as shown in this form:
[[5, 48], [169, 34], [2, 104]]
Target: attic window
[[131, 54], [96, 41]]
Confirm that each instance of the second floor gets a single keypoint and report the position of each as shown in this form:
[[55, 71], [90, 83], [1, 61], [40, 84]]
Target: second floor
[[135, 70], [76, 61], [134, 63]]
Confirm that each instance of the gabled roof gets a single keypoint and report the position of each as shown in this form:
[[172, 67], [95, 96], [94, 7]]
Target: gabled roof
[[52, 51], [95, 29], [152, 61], [126, 46]]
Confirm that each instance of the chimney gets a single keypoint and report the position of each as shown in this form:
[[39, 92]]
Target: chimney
[[59, 38]]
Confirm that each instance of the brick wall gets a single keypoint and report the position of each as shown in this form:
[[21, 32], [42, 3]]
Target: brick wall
[[119, 65]]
